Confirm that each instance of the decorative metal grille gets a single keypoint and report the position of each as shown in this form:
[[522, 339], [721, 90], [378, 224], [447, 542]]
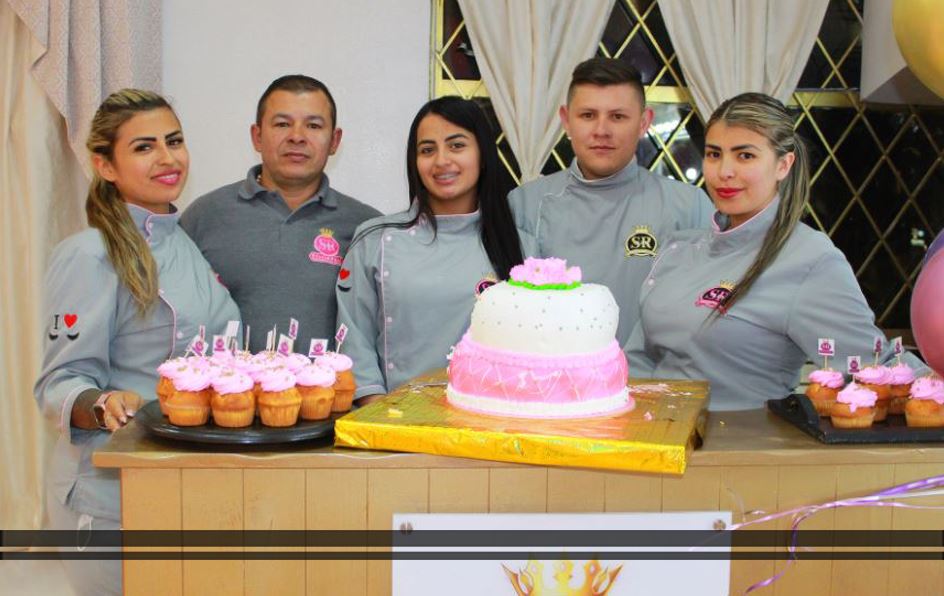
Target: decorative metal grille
[[877, 173]]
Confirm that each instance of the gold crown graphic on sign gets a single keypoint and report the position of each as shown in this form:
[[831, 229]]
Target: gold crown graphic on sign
[[642, 230], [529, 581], [327, 232], [727, 285]]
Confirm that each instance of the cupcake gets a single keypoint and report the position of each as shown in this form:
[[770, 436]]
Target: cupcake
[[877, 379], [315, 384], [344, 387], [279, 401], [926, 406], [189, 405], [901, 378], [165, 382], [295, 362], [232, 401], [823, 388], [854, 407]]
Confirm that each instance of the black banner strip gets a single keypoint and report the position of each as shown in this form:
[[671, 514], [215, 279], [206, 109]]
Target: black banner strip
[[473, 556], [548, 539]]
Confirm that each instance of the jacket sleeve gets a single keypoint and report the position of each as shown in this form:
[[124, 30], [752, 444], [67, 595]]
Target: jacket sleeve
[[79, 316], [829, 304], [640, 363], [358, 308], [526, 206]]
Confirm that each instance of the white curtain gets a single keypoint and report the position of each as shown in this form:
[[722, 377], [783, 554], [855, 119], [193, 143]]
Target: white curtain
[[91, 48], [41, 192], [727, 47], [58, 59], [526, 51]]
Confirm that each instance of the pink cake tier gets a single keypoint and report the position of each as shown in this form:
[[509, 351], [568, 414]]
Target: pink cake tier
[[541, 345], [492, 381]]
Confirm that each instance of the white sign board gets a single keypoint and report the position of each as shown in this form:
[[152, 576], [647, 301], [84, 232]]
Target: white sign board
[[497, 575]]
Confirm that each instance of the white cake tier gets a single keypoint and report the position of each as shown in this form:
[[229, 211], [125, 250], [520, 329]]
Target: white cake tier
[[551, 322]]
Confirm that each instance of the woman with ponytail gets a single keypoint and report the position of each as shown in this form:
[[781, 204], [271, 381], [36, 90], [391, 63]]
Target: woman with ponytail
[[743, 304], [121, 297], [409, 281]]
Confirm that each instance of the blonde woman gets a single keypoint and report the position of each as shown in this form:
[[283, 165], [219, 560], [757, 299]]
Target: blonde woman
[[120, 297], [743, 304]]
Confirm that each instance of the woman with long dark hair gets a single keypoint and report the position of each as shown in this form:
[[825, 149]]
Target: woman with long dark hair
[[744, 304], [410, 279]]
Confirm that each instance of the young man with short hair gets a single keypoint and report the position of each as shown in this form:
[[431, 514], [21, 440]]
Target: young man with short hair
[[606, 212]]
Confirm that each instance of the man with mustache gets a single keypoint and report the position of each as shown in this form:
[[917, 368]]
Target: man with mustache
[[606, 212], [277, 238]]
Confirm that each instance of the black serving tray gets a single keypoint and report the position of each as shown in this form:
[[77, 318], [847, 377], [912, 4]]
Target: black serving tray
[[799, 411], [150, 418]]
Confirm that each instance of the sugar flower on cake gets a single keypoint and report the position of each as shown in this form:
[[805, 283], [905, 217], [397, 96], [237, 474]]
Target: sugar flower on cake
[[546, 272]]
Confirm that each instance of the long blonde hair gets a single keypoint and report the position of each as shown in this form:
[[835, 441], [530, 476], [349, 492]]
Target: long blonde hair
[[127, 249], [769, 118]]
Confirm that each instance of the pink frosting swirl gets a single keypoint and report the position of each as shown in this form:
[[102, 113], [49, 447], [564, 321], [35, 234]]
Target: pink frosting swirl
[[243, 361], [171, 368], [540, 272], [874, 375], [315, 375], [928, 388], [223, 358], [827, 378], [232, 381], [901, 374], [276, 379], [268, 358], [192, 379], [857, 396], [295, 362], [334, 361]]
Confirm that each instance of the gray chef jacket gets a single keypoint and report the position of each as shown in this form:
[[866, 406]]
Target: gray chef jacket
[[95, 339], [755, 351], [613, 228], [407, 298]]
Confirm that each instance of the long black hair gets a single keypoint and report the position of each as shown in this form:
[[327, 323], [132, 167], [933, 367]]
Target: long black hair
[[497, 226]]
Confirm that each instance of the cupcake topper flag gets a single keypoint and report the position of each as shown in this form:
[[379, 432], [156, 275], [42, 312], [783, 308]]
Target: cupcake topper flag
[[826, 348], [899, 349], [853, 364], [339, 337], [877, 344], [293, 329], [198, 346], [318, 347], [285, 344]]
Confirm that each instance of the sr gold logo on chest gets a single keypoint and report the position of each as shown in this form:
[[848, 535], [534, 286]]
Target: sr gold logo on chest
[[641, 243]]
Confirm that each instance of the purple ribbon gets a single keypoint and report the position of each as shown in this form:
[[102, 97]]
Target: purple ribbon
[[872, 500]]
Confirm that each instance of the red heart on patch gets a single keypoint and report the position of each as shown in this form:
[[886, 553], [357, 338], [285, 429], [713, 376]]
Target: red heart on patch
[[70, 320], [344, 274]]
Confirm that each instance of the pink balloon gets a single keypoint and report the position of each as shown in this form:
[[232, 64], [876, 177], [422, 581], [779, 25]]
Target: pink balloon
[[927, 312]]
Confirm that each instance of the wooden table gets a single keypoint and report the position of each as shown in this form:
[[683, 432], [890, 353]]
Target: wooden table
[[751, 461]]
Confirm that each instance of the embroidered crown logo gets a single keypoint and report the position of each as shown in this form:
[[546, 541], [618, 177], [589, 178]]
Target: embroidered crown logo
[[326, 248], [641, 243], [529, 581], [716, 296]]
